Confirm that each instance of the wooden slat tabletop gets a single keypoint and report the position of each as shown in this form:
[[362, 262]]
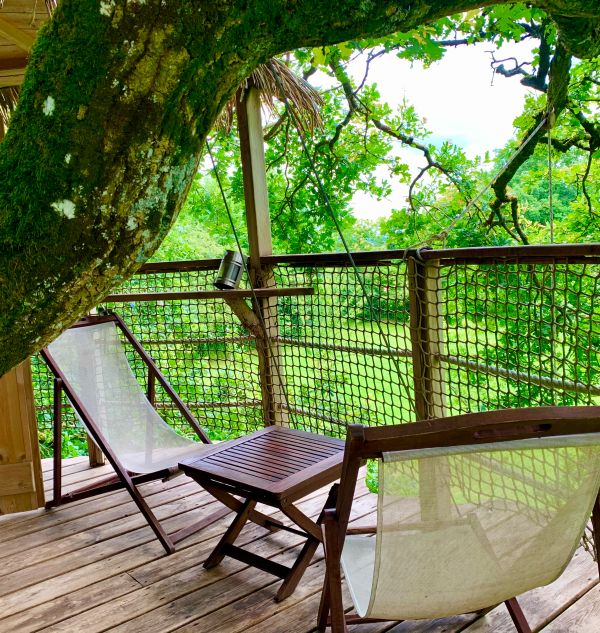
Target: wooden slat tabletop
[[275, 461]]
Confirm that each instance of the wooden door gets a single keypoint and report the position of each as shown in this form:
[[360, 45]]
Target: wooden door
[[21, 486]]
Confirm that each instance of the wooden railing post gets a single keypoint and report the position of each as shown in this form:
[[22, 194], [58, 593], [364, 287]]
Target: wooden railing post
[[95, 455], [427, 336], [21, 486], [272, 378]]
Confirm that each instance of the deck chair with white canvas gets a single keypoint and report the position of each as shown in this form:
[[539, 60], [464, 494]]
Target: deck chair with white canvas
[[473, 510], [90, 366]]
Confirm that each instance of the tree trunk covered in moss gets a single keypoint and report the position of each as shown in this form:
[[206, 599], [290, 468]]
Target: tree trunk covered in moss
[[117, 101]]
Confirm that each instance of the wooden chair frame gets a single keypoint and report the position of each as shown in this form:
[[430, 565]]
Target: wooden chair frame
[[122, 477], [476, 428]]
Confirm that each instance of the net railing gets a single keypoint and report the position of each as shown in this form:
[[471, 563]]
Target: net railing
[[517, 331], [436, 333]]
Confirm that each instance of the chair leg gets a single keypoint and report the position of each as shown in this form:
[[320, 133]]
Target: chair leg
[[336, 605], [307, 553], [517, 615], [333, 575], [298, 568], [56, 475], [57, 445], [234, 504], [157, 528], [323, 606], [596, 529]]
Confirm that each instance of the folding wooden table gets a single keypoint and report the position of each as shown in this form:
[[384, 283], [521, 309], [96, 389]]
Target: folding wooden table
[[275, 466]]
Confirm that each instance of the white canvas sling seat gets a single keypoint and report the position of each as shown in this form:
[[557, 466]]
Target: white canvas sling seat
[[93, 360], [90, 366], [520, 533], [472, 511]]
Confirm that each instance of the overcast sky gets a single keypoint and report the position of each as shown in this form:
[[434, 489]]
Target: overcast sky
[[457, 98]]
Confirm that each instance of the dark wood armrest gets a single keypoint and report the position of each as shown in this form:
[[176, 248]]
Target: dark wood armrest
[[331, 501], [478, 428], [363, 529]]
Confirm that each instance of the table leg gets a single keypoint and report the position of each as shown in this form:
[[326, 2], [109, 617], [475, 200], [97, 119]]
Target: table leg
[[231, 534], [234, 504], [298, 568], [310, 546]]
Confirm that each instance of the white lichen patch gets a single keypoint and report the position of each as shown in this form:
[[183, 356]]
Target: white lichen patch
[[107, 7], [65, 208], [49, 105], [68, 159], [132, 224]]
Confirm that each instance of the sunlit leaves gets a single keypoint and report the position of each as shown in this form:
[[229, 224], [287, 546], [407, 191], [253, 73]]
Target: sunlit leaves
[[362, 148]]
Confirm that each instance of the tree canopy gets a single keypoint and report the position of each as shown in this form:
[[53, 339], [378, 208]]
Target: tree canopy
[[117, 103]]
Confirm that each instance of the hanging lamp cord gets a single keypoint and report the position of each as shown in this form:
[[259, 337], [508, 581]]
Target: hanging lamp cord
[[273, 357], [550, 184], [327, 202]]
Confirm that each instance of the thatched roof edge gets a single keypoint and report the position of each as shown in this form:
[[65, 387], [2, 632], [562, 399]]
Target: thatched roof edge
[[271, 79]]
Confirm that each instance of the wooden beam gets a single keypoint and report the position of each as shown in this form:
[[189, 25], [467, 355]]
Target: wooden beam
[[255, 177], [13, 63], [235, 293], [12, 81], [21, 485], [16, 479], [246, 316], [16, 34], [427, 336], [272, 378]]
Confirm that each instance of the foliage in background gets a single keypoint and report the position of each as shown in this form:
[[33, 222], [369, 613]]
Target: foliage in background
[[357, 150]]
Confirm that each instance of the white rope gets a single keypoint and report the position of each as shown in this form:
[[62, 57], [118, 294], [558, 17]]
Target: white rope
[[271, 352], [550, 202]]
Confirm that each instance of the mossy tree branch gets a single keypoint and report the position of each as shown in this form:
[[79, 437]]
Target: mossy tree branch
[[556, 103], [117, 101]]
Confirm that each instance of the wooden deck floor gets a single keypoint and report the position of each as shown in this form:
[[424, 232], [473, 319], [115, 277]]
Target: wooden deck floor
[[95, 566]]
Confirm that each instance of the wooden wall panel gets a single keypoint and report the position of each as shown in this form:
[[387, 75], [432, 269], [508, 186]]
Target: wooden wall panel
[[21, 485]]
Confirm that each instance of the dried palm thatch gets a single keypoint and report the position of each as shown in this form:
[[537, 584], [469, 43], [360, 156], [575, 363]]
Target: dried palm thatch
[[273, 79], [9, 97]]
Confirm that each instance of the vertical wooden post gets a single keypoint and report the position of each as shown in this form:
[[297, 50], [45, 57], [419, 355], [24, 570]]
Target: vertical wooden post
[[57, 444], [255, 177], [260, 242], [95, 455], [21, 486], [427, 335]]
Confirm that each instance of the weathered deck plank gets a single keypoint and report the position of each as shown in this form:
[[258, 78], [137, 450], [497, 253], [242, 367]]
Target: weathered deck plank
[[95, 566], [582, 617], [69, 605]]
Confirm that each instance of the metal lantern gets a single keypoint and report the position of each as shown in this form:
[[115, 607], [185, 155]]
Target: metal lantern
[[230, 271]]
